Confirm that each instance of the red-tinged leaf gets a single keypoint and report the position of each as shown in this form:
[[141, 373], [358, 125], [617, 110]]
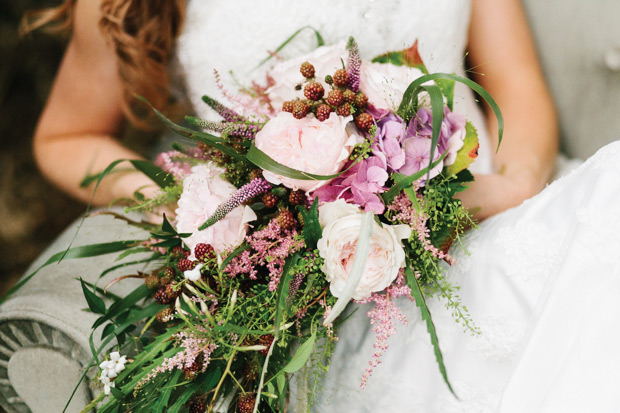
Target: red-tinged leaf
[[467, 154], [409, 57]]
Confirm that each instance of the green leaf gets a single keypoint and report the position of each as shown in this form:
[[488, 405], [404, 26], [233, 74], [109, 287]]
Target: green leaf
[[92, 250], [416, 292], [319, 40], [126, 264], [107, 330], [282, 291], [203, 137], [118, 395], [409, 57], [447, 89], [166, 226], [155, 173], [95, 303], [213, 377], [467, 154], [410, 96], [312, 229], [301, 355], [162, 401], [127, 253], [437, 112], [264, 161]]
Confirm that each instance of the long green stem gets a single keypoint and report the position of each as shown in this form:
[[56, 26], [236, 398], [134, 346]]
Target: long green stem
[[217, 388]]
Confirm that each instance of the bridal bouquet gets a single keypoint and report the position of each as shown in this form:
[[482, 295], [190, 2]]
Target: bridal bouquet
[[334, 182]]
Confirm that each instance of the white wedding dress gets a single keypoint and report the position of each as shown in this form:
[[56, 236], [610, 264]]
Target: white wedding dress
[[541, 280]]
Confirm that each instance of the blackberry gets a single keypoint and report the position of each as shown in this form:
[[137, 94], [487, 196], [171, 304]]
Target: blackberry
[[168, 272], [179, 251], [344, 110], [266, 341], [361, 100], [335, 97], [204, 252], [307, 70], [314, 91], [185, 265], [269, 199], [151, 282], [161, 297], [192, 371], [364, 122], [297, 197], [198, 406], [329, 80], [165, 315], [286, 219], [300, 110], [172, 291], [322, 112], [341, 77], [245, 404], [288, 106]]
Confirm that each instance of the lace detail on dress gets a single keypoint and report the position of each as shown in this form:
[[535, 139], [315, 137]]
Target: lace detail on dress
[[500, 338], [471, 400]]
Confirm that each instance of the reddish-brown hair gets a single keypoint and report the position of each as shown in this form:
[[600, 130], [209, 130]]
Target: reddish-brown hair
[[142, 32]]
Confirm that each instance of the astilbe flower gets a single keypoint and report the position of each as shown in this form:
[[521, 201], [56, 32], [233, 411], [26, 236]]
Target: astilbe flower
[[194, 347], [382, 318], [255, 187], [354, 65], [175, 163], [269, 248], [248, 103], [405, 212], [234, 129]]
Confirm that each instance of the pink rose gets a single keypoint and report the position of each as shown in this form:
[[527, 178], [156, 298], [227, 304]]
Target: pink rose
[[341, 223], [203, 191], [384, 84], [308, 145], [326, 60]]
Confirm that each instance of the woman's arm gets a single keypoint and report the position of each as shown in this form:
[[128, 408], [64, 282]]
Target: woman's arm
[[75, 133], [505, 63]]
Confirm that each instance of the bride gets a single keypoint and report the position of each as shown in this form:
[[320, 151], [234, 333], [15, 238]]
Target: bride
[[539, 276]]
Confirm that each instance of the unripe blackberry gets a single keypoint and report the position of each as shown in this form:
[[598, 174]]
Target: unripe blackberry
[[168, 272], [287, 106], [300, 218], [172, 291], [329, 80], [349, 96], [300, 110], [161, 297], [192, 371], [198, 406], [269, 199], [322, 112], [361, 100], [286, 219], [245, 404], [179, 251], [335, 97], [341, 77], [266, 341], [307, 70], [344, 110], [364, 122], [165, 315], [297, 197], [185, 265], [151, 282], [314, 91], [255, 173], [204, 252]]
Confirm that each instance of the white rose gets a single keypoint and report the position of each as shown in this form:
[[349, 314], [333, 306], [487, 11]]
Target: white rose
[[341, 224], [384, 84]]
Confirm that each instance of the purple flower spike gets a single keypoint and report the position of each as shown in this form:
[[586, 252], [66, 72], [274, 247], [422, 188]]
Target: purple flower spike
[[228, 114], [255, 187]]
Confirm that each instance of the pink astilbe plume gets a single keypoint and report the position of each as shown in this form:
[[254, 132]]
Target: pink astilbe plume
[[382, 318], [173, 163], [406, 213], [248, 103], [269, 248], [194, 347]]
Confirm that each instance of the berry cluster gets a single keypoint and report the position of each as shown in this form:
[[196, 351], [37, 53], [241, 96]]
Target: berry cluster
[[341, 99]]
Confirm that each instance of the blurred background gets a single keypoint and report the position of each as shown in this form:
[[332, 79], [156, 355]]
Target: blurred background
[[32, 211]]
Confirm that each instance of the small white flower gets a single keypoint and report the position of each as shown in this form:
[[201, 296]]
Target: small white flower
[[107, 384], [110, 369], [193, 275]]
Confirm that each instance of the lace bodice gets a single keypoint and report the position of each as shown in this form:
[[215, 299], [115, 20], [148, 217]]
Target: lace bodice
[[236, 35]]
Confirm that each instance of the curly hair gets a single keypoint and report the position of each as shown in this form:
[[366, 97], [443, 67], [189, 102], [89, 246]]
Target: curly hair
[[143, 34]]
